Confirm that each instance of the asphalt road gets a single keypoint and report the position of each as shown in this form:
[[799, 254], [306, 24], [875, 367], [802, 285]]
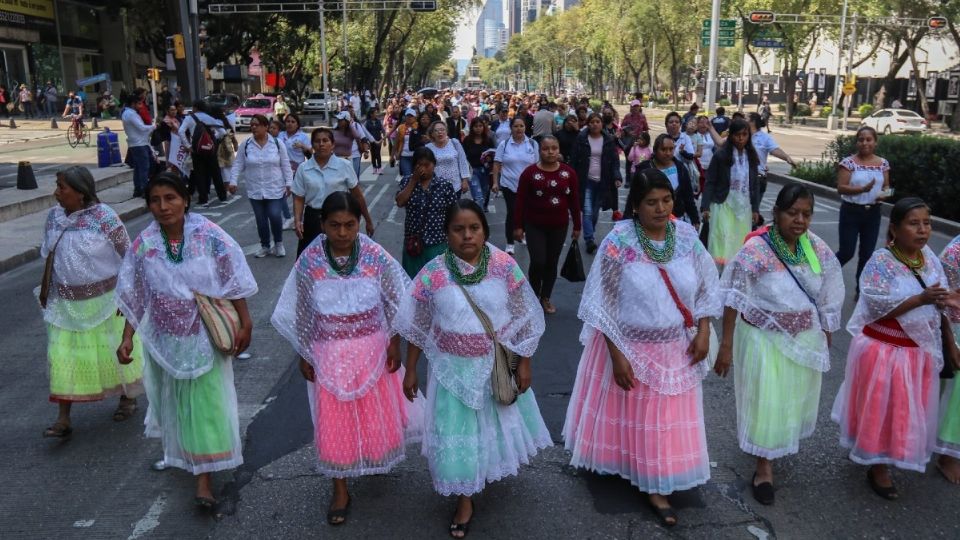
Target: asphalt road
[[99, 485]]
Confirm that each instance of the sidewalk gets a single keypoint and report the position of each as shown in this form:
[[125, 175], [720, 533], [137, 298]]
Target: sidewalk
[[34, 130]]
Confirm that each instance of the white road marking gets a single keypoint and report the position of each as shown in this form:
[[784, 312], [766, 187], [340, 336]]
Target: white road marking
[[377, 198], [224, 220], [211, 214], [83, 523], [367, 191], [151, 519], [392, 216], [251, 249], [246, 222]]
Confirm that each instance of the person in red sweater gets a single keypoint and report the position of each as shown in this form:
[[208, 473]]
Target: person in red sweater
[[548, 196]]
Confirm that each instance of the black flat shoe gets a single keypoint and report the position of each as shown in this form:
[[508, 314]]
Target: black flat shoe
[[591, 247], [763, 492], [667, 515], [339, 517], [889, 493], [205, 502]]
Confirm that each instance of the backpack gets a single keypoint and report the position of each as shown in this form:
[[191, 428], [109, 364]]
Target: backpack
[[246, 145], [202, 142]]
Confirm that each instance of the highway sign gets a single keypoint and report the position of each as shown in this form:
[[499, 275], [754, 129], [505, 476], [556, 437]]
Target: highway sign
[[849, 89], [724, 33], [722, 42], [724, 23], [767, 43]]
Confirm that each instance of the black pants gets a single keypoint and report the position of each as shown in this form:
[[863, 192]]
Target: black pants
[[544, 245], [375, 160], [858, 222], [205, 170], [312, 227], [510, 198]]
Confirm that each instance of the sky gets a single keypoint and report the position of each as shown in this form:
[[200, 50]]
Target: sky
[[466, 35]]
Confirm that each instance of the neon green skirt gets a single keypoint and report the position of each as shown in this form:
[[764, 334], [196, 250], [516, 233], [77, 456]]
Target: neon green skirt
[[83, 365], [729, 225]]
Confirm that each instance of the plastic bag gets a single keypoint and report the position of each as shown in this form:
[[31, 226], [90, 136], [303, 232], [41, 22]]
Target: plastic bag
[[572, 268]]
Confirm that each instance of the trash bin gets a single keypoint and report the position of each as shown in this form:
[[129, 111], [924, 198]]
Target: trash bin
[[108, 148]]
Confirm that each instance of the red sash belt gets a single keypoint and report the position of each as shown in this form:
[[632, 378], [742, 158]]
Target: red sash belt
[[889, 331]]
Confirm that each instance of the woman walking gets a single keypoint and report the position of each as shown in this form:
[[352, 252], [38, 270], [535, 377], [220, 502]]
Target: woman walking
[[897, 352], [374, 126], [684, 207], [425, 197], [548, 197], [338, 309], [636, 409], [317, 178], [597, 163], [346, 135], [479, 148], [454, 305], [567, 137], [84, 242], [451, 160], [193, 402], [403, 148], [948, 429], [297, 144], [786, 289], [731, 196], [513, 157], [265, 167], [863, 181]]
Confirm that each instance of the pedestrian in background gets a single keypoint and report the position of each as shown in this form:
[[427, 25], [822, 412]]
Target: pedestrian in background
[[189, 382], [425, 196], [513, 156], [50, 96], [345, 136], [900, 342], [338, 309], [374, 127], [548, 198], [138, 143], [639, 153], [403, 147], [317, 178], [765, 146], [479, 148], [469, 439], [684, 205], [265, 168], [948, 428], [637, 406], [25, 97], [84, 242], [206, 166], [783, 293], [863, 181], [280, 108], [456, 125], [297, 144], [451, 160], [567, 137], [597, 163], [731, 196]]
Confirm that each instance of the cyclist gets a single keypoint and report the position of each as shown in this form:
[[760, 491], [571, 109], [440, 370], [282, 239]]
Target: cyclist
[[74, 110]]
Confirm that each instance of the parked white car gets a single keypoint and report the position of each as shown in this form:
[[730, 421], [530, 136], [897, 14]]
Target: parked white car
[[888, 121], [315, 103]]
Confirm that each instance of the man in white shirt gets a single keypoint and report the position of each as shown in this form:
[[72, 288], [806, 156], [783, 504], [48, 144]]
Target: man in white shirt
[[206, 169], [138, 143]]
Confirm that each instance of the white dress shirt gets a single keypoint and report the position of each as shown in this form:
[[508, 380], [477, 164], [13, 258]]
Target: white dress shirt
[[137, 131], [265, 169]]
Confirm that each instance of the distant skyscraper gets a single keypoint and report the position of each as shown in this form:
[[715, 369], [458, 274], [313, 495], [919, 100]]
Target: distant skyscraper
[[490, 28]]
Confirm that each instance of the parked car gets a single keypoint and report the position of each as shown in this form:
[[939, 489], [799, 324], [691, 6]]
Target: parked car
[[895, 121], [258, 104], [317, 103], [227, 102]]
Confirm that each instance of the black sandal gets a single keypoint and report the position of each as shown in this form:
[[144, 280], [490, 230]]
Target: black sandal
[[125, 409], [667, 515], [463, 528], [889, 493], [58, 430], [207, 503], [339, 516], [763, 492]]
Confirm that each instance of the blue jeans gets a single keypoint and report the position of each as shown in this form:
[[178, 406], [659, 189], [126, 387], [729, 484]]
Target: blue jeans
[[285, 209], [267, 214], [356, 166], [480, 187], [406, 165], [141, 159], [591, 209]]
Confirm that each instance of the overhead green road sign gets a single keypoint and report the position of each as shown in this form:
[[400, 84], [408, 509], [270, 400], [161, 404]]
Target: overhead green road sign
[[724, 23], [723, 33], [722, 42]]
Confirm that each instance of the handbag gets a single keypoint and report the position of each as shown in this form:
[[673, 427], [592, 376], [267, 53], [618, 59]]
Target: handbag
[[47, 278], [504, 375], [221, 320], [572, 269]]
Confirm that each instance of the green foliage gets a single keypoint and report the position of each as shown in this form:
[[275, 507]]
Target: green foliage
[[596, 105], [819, 172], [865, 110], [803, 110], [825, 111], [724, 102]]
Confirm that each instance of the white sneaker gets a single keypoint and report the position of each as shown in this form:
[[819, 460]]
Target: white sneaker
[[509, 249], [288, 224], [262, 253], [279, 250]]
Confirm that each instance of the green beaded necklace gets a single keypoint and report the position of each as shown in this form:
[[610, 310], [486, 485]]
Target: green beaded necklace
[[783, 250], [913, 264], [662, 255], [177, 257], [347, 268], [470, 279]]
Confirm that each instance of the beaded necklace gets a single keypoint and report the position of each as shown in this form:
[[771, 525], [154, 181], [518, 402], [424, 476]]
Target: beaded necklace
[[470, 279], [783, 250], [914, 264], [662, 255], [347, 268], [177, 257]]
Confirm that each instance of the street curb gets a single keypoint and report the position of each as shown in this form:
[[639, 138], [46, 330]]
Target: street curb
[[951, 228], [22, 208], [32, 253]]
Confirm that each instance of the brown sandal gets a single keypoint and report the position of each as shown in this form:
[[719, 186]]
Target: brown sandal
[[58, 430], [125, 409]]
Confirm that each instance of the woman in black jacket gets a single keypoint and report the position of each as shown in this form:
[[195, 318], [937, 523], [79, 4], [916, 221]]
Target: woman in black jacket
[[731, 196], [679, 176], [597, 164], [567, 136]]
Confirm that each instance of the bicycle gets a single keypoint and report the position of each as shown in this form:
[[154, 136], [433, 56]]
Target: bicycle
[[77, 132]]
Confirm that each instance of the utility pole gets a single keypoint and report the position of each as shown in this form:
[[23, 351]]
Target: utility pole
[[712, 63], [832, 119], [189, 62], [324, 68], [848, 99], [346, 58]]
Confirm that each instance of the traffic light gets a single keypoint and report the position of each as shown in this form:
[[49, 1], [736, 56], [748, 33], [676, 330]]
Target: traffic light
[[179, 50], [762, 17], [153, 74], [937, 23], [423, 5]]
